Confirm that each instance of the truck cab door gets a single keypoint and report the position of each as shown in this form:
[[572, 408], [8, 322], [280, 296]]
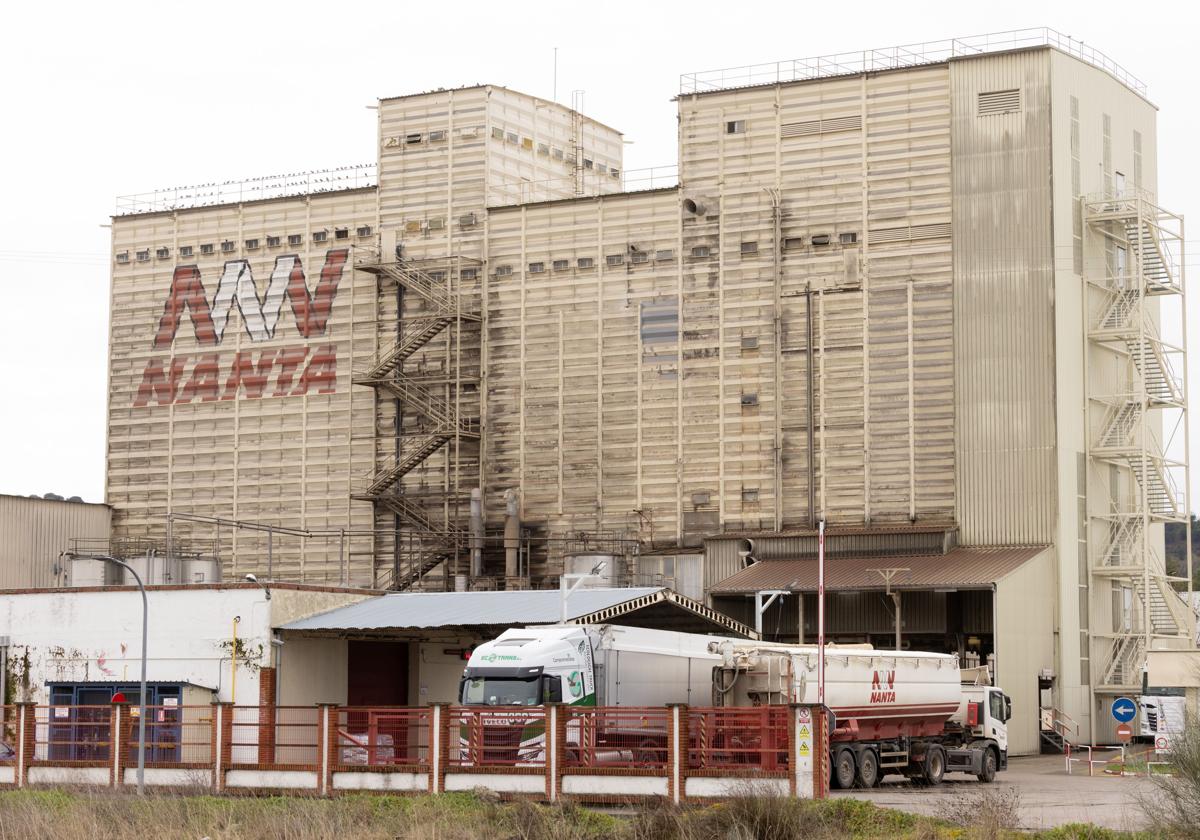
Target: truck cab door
[[999, 710]]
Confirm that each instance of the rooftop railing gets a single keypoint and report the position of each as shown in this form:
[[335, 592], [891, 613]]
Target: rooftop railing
[[907, 55]]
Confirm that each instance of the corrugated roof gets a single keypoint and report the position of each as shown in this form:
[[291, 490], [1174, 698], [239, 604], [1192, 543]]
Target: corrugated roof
[[960, 568], [411, 610]]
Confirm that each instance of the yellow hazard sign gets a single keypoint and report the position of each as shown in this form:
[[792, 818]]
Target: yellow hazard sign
[[804, 749]]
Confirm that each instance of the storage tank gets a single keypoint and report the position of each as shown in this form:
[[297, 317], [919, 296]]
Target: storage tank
[[200, 570], [89, 571], [155, 570], [873, 693]]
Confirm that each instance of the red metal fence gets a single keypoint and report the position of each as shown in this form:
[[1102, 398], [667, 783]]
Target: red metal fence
[[176, 736], [617, 736], [79, 735], [745, 738], [627, 751], [8, 734], [384, 737], [497, 737]]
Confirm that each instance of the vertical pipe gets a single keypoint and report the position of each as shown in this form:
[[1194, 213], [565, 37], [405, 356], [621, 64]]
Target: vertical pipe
[[821, 612], [344, 572], [811, 421], [477, 532], [777, 364], [270, 554], [896, 605], [512, 533]]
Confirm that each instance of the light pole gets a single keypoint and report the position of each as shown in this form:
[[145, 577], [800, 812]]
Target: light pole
[[564, 592], [887, 575], [141, 765]]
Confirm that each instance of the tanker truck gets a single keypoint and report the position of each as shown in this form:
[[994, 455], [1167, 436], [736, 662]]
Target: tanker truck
[[915, 714]]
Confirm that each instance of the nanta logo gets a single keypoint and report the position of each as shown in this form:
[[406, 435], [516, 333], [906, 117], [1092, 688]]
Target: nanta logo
[[878, 693]]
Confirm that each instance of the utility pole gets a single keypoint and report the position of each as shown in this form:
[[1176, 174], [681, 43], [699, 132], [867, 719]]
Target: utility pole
[[887, 575]]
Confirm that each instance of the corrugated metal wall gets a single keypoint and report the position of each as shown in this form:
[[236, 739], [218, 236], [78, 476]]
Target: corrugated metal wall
[[36, 531], [258, 426], [1003, 303]]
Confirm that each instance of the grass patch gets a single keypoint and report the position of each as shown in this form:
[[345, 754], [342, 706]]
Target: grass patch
[[108, 815]]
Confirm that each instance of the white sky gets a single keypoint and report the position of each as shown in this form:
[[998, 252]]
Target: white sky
[[102, 99]]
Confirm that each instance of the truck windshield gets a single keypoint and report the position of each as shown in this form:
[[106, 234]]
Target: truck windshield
[[501, 691]]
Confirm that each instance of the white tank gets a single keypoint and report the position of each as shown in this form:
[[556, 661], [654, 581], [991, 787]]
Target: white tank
[[872, 693]]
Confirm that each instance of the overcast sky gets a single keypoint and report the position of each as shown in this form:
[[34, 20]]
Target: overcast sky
[[103, 99]]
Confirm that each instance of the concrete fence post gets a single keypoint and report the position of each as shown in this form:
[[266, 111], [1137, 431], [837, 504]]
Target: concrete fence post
[[553, 752], [222, 738], [116, 745], [27, 741], [439, 735], [327, 745], [677, 752]]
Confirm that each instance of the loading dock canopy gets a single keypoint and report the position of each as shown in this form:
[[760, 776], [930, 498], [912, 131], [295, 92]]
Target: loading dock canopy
[[650, 606], [959, 568]]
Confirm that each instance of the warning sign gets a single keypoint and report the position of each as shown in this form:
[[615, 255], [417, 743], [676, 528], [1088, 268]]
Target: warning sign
[[1162, 743], [804, 731], [804, 748], [804, 715]]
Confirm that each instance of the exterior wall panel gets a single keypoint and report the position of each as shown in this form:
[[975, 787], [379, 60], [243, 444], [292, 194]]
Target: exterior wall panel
[[1003, 303], [36, 531]]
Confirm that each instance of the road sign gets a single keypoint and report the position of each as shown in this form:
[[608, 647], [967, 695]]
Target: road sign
[[1162, 744], [1124, 733], [1123, 709]]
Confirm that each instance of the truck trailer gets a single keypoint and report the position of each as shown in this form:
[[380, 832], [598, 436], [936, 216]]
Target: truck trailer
[[903, 712]]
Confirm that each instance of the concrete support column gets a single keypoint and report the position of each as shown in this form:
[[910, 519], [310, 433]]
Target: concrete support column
[[439, 745]]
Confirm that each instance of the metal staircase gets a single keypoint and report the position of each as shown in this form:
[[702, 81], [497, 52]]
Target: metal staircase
[[437, 312], [1133, 395]]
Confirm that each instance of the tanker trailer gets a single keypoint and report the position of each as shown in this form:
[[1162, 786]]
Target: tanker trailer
[[902, 712]]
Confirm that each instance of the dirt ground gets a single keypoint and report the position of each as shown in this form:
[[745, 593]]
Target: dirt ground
[[1048, 796]]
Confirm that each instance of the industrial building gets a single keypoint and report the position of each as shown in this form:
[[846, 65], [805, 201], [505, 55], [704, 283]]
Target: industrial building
[[925, 295]]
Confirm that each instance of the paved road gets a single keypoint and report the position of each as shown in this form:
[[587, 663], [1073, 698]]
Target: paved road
[[1048, 796]]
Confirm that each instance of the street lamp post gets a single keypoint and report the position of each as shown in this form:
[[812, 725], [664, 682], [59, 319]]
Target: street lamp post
[[564, 592], [141, 761]]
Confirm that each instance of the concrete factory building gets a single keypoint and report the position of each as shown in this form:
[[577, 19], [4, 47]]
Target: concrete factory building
[[923, 294]]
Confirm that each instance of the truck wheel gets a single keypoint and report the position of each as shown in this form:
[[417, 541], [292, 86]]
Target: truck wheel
[[935, 765], [990, 762], [868, 769], [844, 769]]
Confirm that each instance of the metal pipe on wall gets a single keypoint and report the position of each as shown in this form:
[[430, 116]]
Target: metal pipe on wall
[[808, 370], [512, 532], [477, 532]]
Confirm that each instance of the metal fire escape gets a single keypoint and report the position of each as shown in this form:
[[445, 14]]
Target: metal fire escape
[[1137, 431], [421, 471]]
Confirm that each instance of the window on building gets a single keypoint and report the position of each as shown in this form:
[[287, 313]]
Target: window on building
[[162, 253], [206, 249], [848, 238], [735, 127], [615, 259], [143, 256], [321, 236], [412, 139], [469, 273], [793, 242], [585, 262], [556, 153], [273, 242], [185, 251], [364, 231], [497, 133], [503, 270], [749, 247], [638, 257], [437, 136], [749, 400], [664, 255], [700, 251], [295, 239], [750, 496], [341, 233], [1119, 183], [562, 265], [537, 267], [123, 256], [543, 149], [512, 137], [588, 163], [251, 244], [227, 246]]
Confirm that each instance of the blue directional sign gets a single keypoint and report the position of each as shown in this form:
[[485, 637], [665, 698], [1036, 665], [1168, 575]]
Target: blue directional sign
[[1123, 709]]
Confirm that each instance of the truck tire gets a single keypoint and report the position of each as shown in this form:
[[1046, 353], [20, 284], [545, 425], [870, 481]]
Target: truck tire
[[935, 766], [868, 769], [990, 764], [844, 769]]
